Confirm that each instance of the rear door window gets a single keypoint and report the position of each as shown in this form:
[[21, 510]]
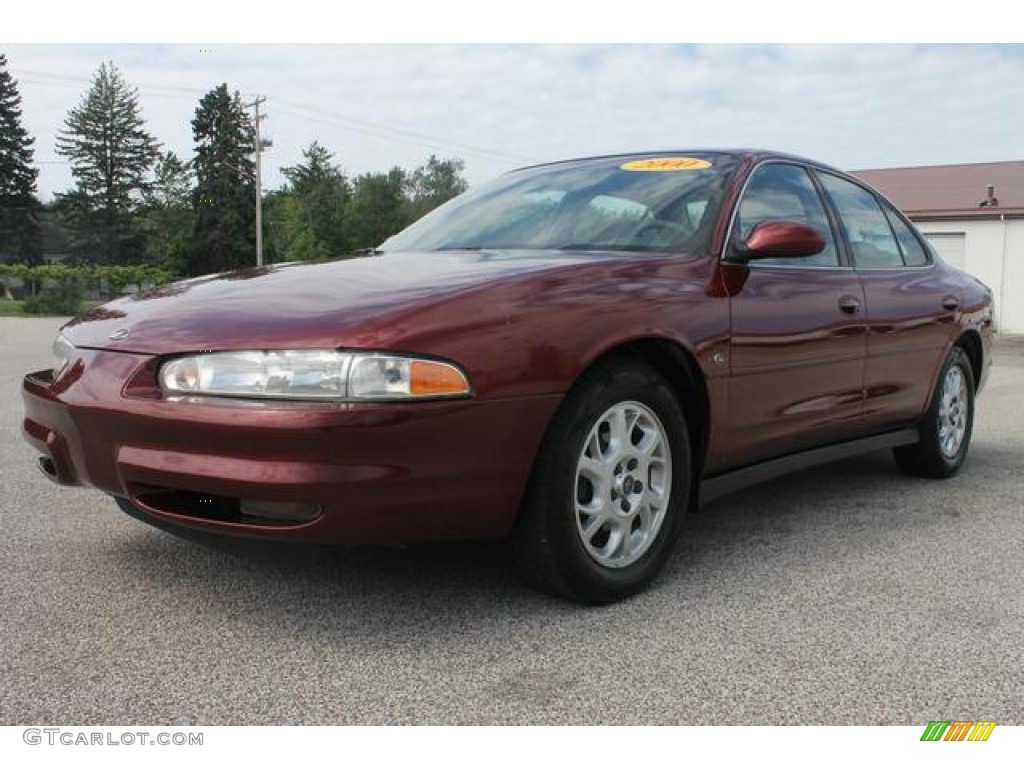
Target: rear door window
[[867, 229]]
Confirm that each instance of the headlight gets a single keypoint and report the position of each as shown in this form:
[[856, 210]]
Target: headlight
[[62, 350], [312, 375]]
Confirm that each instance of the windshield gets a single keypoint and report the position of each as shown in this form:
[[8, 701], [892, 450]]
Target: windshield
[[642, 203]]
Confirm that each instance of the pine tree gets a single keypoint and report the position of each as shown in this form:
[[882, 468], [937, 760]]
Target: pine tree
[[111, 154], [224, 237], [313, 206], [19, 207]]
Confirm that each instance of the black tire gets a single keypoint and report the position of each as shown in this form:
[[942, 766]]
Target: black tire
[[549, 541], [927, 458]]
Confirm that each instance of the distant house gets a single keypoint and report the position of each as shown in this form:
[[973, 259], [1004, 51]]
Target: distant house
[[973, 215], [56, 242], [56, 246]]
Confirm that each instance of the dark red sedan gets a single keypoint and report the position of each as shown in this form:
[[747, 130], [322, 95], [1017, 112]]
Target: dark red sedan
[[573, 356]]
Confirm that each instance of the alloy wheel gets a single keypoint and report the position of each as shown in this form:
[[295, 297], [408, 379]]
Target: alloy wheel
[[953, 412], [623, 484]]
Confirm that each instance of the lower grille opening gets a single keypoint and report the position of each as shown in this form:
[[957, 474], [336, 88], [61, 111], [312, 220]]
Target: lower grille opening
[[193, 504], [226, 508]]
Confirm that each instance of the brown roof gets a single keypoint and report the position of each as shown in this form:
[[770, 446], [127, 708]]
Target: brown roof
[[951, 190]]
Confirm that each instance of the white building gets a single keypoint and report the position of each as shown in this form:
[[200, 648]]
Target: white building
[[974, 217]]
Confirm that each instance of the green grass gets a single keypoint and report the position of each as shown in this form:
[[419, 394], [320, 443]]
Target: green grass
[[17, 309], [11, 308]]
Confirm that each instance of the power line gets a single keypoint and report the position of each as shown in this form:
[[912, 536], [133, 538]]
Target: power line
[[377, 135], [398, 132], [144, 93], [81, 80], [345, 122]]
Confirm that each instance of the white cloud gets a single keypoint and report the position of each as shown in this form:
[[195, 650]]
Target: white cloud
[[381, 105]]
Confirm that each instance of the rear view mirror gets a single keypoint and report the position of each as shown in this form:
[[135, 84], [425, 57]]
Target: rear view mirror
[[781, 240]]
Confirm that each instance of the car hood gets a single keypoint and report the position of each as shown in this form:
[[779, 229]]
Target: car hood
[[329, 304]]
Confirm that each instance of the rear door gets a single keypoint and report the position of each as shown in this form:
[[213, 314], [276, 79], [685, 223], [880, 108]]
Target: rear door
[[911, 306], [797, 344]]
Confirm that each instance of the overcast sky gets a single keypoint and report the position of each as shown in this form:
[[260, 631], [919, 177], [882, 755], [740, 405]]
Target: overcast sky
[[502, 106]]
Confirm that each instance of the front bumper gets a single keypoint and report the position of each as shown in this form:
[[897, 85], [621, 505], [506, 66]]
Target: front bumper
[[375, 473]]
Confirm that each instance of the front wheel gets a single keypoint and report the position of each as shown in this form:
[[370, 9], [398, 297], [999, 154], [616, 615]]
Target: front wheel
[[609, 488], [946, 428]]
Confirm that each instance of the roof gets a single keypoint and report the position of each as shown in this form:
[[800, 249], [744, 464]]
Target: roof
[[952, 191], [753, 155]]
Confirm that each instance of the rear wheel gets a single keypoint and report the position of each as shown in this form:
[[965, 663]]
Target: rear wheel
[[609, 488], [946, 428]]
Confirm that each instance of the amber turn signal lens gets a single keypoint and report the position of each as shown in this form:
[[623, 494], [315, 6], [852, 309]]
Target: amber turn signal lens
[[430, 379]]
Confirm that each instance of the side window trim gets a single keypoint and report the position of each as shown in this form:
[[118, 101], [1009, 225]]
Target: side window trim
[[845, 264]]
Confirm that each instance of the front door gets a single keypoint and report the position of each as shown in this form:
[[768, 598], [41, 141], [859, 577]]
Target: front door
[[798, 330]]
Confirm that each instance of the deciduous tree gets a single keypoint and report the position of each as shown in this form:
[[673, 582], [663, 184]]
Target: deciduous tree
[[169, 215], [379, 207], [435, 183]]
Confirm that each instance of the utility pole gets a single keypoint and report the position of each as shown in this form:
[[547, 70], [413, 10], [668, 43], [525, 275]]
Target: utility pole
[[259, 185]]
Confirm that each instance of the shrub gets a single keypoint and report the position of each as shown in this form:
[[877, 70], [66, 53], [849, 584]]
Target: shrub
[[60, 288], [65, 299]]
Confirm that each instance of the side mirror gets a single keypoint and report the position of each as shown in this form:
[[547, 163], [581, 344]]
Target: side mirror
[[781, 240]]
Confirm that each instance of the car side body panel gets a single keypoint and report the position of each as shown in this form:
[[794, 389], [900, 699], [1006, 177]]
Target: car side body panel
[[910, 332]]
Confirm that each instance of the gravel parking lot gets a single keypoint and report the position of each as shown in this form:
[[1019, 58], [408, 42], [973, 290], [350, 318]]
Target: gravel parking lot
[[843, 595]]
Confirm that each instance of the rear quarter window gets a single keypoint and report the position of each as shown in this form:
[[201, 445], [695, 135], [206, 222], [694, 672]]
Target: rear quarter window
[[914, 254]]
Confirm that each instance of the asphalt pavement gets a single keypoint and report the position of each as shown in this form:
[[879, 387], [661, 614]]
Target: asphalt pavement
[[843, 595]]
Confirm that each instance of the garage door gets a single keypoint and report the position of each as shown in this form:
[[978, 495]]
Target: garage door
[[950, 246]]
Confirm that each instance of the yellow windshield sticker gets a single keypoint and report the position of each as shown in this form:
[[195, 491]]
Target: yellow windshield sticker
[[666, 164]]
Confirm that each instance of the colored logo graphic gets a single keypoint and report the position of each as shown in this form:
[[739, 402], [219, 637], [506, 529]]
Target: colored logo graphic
[[958, 730], [666, 164]]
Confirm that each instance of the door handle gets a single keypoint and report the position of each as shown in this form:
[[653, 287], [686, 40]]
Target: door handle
[[950, 303], [849, 305]]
